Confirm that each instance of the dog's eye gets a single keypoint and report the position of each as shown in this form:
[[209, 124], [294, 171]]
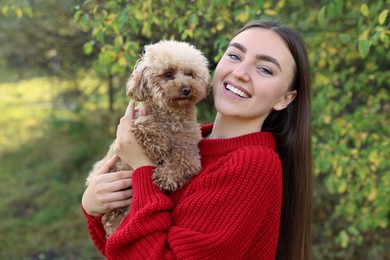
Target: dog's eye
[[189, 74], [168, 75]]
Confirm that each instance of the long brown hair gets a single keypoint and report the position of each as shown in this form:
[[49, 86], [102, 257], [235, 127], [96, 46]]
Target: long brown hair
[[292, 130]]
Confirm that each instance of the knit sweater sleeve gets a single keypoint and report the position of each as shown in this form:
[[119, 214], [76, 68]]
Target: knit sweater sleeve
[[230, 211], [96, 231]]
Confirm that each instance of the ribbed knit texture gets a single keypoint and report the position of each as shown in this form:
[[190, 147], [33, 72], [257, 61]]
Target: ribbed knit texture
[[230, 210]]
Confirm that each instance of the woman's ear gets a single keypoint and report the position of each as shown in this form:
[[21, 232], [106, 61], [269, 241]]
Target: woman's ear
[[286, 100]]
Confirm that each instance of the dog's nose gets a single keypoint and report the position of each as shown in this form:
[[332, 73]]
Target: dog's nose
[[186, 91]]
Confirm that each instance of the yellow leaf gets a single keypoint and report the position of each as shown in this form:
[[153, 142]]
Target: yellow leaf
[[384, 36], [243, 17], [322, 63], [342, 187], [95, 9], [382, 16], [280, 4], [19, 12], [339, 171], [5, 9], [374, 158], [364, 9], [270, 12], [383, 223], [364, 35], [372, 195], [327, 119], [146, 30], [220, 25], [122, 61], [355, 153]]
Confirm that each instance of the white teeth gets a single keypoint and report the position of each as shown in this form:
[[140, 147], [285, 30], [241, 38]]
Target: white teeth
[[237, 91]]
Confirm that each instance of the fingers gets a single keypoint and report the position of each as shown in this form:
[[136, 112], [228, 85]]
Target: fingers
[[118, 183], [119, 204], [108, 165], [114, 200], [114, 181], [142, 111], [130, 110], [125, 121], [120, 196]]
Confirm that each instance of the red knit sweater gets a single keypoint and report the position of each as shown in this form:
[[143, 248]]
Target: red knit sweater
[[230, 210]]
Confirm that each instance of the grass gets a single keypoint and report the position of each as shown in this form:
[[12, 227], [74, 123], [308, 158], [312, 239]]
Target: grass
[[46, 151]]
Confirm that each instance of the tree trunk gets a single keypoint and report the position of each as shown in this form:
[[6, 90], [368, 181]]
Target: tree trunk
[[110, 93]]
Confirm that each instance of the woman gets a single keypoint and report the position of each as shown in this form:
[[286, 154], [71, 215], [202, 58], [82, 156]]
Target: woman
[[252, 199]]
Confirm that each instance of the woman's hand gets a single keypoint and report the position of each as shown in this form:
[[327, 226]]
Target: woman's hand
[[107, 190], [127, 147]]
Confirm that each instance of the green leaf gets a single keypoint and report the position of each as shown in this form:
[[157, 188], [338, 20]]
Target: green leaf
[[344, 239], [88, 47], [345, 38], [364, 48], [321, 16]]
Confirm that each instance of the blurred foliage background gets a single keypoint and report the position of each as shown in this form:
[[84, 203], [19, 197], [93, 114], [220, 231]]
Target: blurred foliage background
[[63, 67]]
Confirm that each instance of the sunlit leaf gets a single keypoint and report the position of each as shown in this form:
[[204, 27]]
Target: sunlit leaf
[[122, 61], [372, 195], [19, 12], [220, 25], [4, 10], [382, 16], [374, 158], [342, 186], [88, 47], [344, 238], [364, 10], [270, 12], [243, 16]]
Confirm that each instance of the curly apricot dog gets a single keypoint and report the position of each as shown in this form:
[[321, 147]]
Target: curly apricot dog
[[169, 80]]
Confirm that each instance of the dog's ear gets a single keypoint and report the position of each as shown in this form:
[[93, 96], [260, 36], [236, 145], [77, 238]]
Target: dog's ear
[[136, 85]]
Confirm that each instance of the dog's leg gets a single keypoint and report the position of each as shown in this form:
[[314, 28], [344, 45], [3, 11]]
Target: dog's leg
[[177, 170], [153, 137]]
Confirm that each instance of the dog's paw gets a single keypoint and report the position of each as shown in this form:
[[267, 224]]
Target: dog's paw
[[168, 181]]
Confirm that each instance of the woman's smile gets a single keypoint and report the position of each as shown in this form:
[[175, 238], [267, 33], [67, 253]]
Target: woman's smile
[[237, 91]]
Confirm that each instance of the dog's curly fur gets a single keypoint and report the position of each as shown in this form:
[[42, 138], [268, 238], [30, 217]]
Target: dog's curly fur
[[169, 80]]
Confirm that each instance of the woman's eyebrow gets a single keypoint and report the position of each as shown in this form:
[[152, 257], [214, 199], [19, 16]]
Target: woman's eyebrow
[[238, 46], [270, 59], [258, 56]]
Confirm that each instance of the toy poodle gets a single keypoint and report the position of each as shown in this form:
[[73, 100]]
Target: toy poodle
[[169, 79]]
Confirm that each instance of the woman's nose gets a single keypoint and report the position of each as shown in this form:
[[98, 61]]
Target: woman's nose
[[241, 72]]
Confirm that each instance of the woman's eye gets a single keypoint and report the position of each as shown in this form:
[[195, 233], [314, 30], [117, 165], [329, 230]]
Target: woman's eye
[[265, 70], [234, 56]]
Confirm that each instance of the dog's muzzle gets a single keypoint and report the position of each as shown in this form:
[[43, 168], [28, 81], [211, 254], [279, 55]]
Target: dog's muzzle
[[185, 91]]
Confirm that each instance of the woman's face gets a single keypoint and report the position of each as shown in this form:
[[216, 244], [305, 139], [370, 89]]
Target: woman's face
[[253, 76]]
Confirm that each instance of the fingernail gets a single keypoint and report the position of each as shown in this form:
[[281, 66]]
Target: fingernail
[[142, 111]]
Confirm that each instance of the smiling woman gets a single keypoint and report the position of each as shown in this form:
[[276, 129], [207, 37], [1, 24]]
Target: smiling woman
[[252, 198]]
